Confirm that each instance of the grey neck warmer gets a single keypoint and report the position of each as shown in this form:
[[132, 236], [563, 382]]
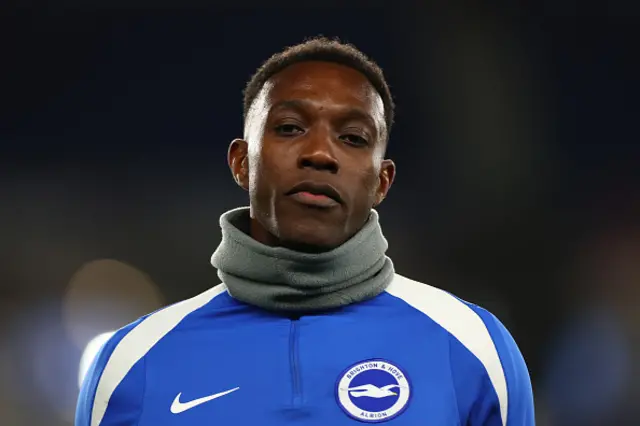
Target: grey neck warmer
[[284, 280]]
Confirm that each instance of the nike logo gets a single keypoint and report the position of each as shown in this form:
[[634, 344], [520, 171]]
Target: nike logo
[[178, 407]]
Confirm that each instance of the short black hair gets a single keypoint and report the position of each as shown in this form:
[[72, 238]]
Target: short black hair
[[327, 50]]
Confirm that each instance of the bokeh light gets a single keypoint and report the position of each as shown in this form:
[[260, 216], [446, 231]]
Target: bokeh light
[[105, 295]]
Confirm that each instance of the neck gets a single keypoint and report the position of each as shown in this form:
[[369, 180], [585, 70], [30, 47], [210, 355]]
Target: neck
[[286, 280]]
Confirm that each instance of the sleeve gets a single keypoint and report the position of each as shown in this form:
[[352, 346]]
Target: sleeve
[[520, 405], [97, 406]]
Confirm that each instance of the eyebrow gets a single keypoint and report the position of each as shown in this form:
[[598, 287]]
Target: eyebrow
[[296, 104], [303, 105]]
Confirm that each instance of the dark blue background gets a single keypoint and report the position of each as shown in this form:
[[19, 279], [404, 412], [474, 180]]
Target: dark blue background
[[114, 125]]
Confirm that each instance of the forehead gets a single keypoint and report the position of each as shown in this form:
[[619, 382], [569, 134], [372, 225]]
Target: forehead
[[327, 85]]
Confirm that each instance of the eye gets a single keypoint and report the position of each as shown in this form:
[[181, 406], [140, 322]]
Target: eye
[[288, 130], [354, 140]]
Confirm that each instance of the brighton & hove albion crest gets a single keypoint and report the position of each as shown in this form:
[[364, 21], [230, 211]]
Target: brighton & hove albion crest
[[373, 391]]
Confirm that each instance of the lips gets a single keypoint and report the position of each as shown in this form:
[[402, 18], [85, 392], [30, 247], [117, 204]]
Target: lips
[[315, 193]]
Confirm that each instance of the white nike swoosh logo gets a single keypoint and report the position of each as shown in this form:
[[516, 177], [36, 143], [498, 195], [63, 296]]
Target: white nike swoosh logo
[[178, 407]]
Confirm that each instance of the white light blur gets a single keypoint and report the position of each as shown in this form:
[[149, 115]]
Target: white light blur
[[90, 352], [106, 294]]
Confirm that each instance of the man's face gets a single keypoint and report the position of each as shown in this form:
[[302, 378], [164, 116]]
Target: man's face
[[313, 156]]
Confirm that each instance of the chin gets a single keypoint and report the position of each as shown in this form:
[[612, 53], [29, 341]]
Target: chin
[[312, 239]]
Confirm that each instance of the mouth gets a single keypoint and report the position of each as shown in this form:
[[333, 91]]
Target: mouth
[[312, 194]]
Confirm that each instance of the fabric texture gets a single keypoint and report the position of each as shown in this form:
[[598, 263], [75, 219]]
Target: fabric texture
[[283, 280]]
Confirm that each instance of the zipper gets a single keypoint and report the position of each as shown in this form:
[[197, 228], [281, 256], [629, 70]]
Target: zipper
[[295, 363]]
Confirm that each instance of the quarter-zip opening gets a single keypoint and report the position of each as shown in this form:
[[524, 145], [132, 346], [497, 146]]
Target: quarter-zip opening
[[296, 380]]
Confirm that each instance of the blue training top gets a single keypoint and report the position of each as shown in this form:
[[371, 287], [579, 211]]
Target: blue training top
[[414, 355]]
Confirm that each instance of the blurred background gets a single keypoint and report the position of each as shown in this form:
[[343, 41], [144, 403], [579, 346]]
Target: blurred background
[[517, 189]]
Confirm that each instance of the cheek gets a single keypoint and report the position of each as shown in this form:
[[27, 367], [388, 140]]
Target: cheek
[[259, 178], [263, 170], [368, 184], [255, 167]]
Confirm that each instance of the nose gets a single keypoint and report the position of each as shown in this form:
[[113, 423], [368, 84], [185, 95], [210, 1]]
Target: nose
[[317, 153]]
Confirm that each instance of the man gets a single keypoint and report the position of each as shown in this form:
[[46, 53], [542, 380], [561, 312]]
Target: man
[[311, 325]]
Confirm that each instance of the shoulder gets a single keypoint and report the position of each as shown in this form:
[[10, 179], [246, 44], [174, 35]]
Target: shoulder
[[469, 324], [132, 342], [475, 327], [114, 370], [478, 332]]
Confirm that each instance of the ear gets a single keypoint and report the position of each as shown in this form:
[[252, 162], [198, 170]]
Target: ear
[[239, 162], [385, 179]]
